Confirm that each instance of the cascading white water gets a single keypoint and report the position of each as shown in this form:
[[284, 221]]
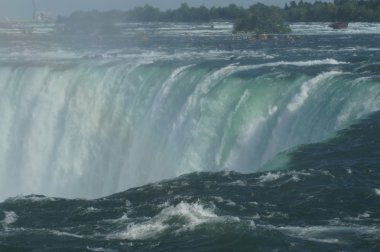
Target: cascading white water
[[90, 129]]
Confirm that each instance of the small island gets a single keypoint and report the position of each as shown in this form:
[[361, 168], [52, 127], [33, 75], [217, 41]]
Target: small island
[[262, 19]]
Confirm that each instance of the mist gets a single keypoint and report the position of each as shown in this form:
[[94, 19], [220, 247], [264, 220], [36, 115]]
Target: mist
[[22, 9]]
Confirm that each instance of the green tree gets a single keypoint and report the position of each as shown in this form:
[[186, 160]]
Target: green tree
[[146, 13], [262, 19]]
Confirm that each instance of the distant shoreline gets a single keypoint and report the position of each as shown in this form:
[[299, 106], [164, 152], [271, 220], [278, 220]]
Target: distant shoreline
[[258, 17]]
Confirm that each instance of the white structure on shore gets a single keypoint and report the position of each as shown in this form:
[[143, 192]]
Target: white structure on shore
[[41, 16]]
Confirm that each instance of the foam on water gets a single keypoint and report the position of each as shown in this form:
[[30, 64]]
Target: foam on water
[[60, 233], [100, 249], [192, 30], [32, 198], [238, 183], [174, 219], [329, 234], [10, 217], [377, 191], [312, 28], [269, 177]]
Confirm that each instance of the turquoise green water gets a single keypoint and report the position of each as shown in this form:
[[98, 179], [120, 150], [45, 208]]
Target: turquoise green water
[[267, 145]]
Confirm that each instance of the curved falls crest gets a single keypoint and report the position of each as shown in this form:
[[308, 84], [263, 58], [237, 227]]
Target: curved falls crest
[[89, 129]]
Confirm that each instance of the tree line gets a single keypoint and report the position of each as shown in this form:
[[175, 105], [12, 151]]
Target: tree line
[[258, 17], [339, 10], [319, 11]]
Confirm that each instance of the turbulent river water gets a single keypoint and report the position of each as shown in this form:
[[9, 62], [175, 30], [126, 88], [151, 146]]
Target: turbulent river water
[[264, 145]]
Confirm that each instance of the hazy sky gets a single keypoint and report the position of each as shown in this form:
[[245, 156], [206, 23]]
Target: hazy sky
[[23, 8]]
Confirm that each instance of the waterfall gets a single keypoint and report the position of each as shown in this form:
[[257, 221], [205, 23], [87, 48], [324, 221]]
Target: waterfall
[[92, 128]]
